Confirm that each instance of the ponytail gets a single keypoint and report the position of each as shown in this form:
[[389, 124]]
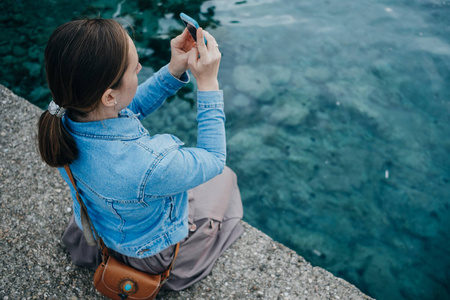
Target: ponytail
[[56, 146]]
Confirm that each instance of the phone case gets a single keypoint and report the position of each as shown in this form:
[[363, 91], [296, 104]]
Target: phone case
[[187, 19], [190, 21]]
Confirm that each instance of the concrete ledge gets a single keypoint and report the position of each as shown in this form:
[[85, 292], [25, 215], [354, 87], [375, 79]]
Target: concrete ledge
[[35, 207]]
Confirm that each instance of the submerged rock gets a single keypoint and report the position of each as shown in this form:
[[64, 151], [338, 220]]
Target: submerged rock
[[255, 84], [278, 75], [318, 74], [19, 51], [41, 93], [34, 69], [5, 49], [240, 101], [239, 105], [289, 115]]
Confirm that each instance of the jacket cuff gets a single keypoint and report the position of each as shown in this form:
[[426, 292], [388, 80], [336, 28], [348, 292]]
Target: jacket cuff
[[174, 83], [210, 99]]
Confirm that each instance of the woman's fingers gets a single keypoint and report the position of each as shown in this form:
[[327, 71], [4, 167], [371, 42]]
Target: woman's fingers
[[183, 42], [193, 57], [201, 42], [211, 46], [211, 40], [204, 61], [180, 47]]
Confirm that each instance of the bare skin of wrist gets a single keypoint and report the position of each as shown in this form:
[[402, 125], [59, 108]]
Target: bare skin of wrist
[[174, 73], [208, 86]]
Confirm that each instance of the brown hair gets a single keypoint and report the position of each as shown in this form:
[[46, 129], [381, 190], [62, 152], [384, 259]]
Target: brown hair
[[83, 58]]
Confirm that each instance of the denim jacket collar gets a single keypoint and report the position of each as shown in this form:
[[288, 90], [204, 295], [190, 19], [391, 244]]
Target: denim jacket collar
[[126, 126]]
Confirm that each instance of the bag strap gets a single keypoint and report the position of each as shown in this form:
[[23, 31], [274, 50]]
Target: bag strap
[[85, 220], [97, 240], [166, 274]]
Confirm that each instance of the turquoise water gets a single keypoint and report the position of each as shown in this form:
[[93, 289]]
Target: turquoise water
[[337, 121]]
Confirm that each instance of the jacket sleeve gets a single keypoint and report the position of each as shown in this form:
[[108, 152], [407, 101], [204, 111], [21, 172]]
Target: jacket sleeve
[[184, 168], [152, 93]]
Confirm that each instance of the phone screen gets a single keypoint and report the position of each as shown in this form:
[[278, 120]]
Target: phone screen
[[192, 30]]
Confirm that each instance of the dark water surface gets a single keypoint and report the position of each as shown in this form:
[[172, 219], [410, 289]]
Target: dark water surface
[[337, 121]]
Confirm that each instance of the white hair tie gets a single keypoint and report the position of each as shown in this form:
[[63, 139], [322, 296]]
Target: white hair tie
[[56, 110]]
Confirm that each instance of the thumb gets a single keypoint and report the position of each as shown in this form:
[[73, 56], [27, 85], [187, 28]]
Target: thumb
[[182, 38]]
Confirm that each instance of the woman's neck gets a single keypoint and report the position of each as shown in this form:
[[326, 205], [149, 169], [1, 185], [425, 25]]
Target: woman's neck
[[98, 114]]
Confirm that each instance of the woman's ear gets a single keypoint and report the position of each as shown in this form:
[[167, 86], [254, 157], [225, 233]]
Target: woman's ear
[[108, 98]]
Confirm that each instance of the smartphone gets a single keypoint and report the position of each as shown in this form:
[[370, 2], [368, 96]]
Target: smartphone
[[191, 25]]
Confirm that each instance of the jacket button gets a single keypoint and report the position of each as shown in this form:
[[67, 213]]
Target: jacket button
[[193, 228], [142, 251]]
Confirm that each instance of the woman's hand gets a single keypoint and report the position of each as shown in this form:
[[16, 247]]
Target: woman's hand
[[204, 62], [181, 47]]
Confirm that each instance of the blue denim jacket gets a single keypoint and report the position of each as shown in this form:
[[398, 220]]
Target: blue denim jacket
[[135, 185]]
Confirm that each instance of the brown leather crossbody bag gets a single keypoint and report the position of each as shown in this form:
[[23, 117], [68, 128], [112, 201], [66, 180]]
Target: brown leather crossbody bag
[[113, 278]]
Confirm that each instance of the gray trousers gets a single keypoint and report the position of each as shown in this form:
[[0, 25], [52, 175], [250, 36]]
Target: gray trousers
[[215, 211]]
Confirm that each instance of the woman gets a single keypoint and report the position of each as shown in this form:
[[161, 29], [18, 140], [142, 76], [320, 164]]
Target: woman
[[143, 193]]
